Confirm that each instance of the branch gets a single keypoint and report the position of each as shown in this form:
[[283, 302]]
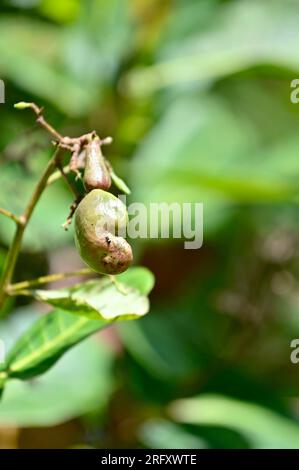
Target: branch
[[15, 247], [10, 215], [69, 143], [40, 118], [13, 289], [74, 145]]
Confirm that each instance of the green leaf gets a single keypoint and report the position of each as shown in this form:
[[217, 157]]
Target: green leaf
[[103, 299], [139, 277], [262, 427], [46, 341], [53, 334], [81, 382], [119, 183]]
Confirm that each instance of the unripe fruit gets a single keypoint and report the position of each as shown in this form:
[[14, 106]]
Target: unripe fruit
[[99, 219], [96, 174]]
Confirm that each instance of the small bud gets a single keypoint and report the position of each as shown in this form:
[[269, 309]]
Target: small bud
[[22, 105]]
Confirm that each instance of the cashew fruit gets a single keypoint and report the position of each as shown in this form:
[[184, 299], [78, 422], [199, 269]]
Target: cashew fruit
[[100, 221]]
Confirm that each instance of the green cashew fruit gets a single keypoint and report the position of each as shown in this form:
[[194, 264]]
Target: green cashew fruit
[[100, 224], [96, 174]]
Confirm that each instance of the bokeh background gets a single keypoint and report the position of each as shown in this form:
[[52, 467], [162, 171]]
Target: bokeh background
[[196, 94]]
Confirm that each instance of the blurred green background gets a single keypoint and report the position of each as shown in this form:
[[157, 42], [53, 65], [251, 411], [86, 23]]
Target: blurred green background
[[196, 94]]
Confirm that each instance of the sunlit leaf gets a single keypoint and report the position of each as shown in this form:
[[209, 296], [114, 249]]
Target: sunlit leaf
[[104, 299]]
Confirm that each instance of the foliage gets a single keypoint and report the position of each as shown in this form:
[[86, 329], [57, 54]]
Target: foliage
[[197, 98]]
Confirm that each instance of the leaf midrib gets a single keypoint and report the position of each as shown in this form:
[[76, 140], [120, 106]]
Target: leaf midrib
[[48, 346]]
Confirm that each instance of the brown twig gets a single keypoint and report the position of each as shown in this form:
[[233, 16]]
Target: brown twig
[[68, 182], [73, 208], [40, 118]]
